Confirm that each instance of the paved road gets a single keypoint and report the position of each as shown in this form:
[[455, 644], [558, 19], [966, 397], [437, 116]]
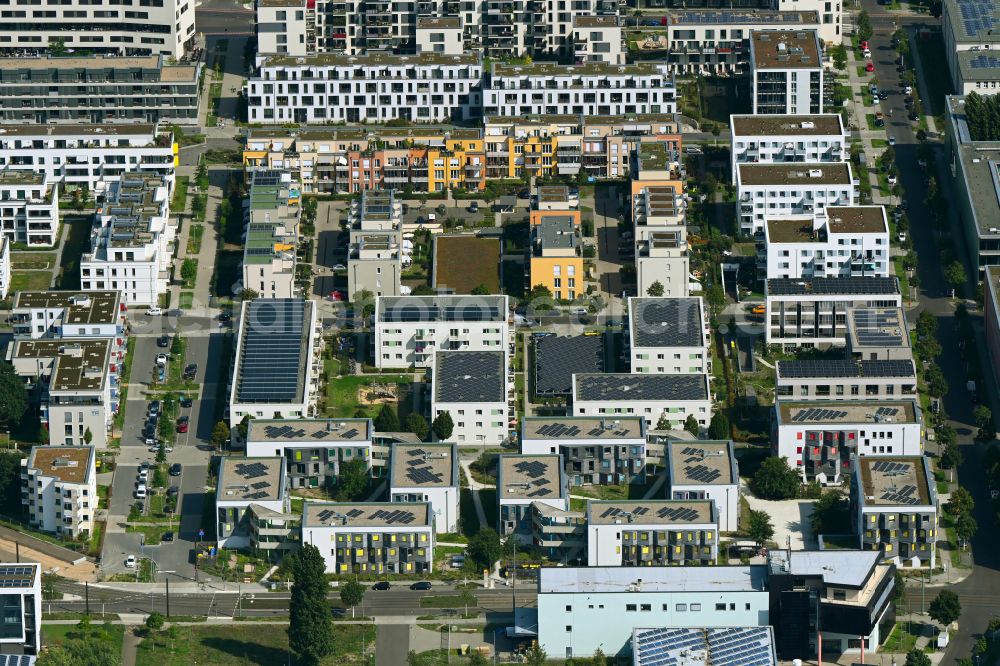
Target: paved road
[[223, 17], [392, 644]]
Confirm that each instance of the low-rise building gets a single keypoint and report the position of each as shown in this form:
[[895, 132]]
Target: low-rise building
[[371, 537], [252, 507], [272, 214], [654, 397], [780, 139], [821, 439], [847, 379], [472, 386], [39, 315], [30, 211], [440, 34], [376, 254], [894, 509], [555, 258], [652, 533], [668, 336], [878, 334], [21, 600], [598, 39], [427, 473], [4, 266], [967, 28], [313, 449], [705, 470], [410, 329], [59, 489], [593, 450], [786, 70], [524, 481], [771, 191]]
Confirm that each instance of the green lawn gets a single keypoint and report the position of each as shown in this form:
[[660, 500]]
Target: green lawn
[[342, 395], [57, 634], [186, 300], [195, 233], [153, 533], [450, 601], [179, 201], [38, 261], [900, 640], [30, 280], [622, 492]]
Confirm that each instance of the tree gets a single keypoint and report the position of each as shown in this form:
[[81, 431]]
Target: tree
[[864, 26], [961, 502], [966, 527], [540, 298], [759, 527], [189, 271], [352, 481], [655, 289], [417, 424], [917, 658], [954, 274], [387, 421], [310, 632], [715, 296], [984, 421], [718, 427], [536, 656], [484, 548], [154, 621], [663, 423], [477, 659], [88, 437], [468, 599], [10, 481], [831, 514], [598, 659], [166, 428], [946, 608], [481, 290], [13, 396], [220, 435], [176, 346], [839, 55], [951, 457], [691, 425], [443, 426], [161, 453], [775, 480], [365, 300], [352, 594], [937, 384]]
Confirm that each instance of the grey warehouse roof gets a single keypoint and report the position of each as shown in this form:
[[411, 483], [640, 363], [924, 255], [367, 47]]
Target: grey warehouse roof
[[569, 580], [621, 386], [666, 322], [558, 358], [470, 376]]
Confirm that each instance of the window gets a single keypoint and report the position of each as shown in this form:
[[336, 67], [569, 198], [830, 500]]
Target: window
[[695, 608], [569, 627], [682, 608], [720, 607], [568, 608], [630, 608], [646, 607]]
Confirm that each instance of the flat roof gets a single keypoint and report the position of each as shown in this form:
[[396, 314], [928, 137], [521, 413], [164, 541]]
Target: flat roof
[[721, 646], [978, 66], [804, 174], [428, 22], [596, 21], [18, 575], [784, 49], [822, 124], [252, 479], [309, 432], [95, 129], [371, 60], [650, 512], [791, 230], [584, 69], [973, 20], [980, 165], [274, 345], [655, 156], [834, 286], [844, 412], [89, 307], [78, 365], [710, 16], [701, 462], [877, 327], [571, 428], [409, 515], [844, 368], [558, 358], [424, 466], [857, 219], [557, 232], [21, 177], [470, 376], [569, 580], [611, 387], [69, 464], [895, 481], [666, 322], [427, 309], [463, 262], [531, 477], [844, 568]]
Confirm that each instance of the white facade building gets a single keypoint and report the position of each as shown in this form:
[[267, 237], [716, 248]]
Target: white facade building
[[21, 599], [313, 449], [272, 234], [247, 487], [59, 489], [779, 139], [786, 72], [668, 336], [651, 533], [970, 41], [593, 450], [427, 473], [598, 39], [375, 255], [4, 266], [440, 34], [768, 191], [29, 207], [473, 387], [661, 245], [705, 469], [848, 379], [285, 27], [524, 482], [65, 314], [673, 397]]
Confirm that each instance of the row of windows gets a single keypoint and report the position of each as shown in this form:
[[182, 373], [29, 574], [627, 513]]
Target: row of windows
[[679, 608]]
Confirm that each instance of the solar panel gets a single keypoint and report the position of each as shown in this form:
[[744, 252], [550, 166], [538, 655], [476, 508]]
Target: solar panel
[[533, 468], [354, 513], [558, 358], [751, 646], [273, 347]]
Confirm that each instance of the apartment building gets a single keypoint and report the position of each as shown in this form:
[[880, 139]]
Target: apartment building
[[374, 88], [525, 482], [21, 600], [313, 449], [130, 240], [654, 397], [472, 386], [780, 139], [668, 336], [272, 215], [285, 27], [98, 89], [375, 256], [252, 507], [29, 207], [443, 35], [371, 537], [991, 316], [594, 89], [878, 334], [894, 509], [278, 348], [66, 314], [410, 329], [820, 439], [842, 241], [89, 156], [814, 312], [598, 39], [769, 191], [4, 267], [786, 70], [59, 489], [593, 450], [555, 258], [78, 381], [661, 245], [847, 379], [651, 533], [967, 28], [427, 473], [705, 470]]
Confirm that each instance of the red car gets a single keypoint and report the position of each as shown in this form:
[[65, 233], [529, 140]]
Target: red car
[[864, 44], [870, 67], [182, 424]]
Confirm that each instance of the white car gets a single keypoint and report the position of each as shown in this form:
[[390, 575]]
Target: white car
[[339, 267], [901, 236], [154, 311], [892, 141], [143, 474], [892, 179], [867, 53], [140, 492], [161, 359], [907, 90], [130, 562]]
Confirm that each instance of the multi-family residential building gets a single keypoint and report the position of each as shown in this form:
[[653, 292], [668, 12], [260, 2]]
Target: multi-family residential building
[[130, 240], [786, 70], [769, 191], [668, 336], [991, 316], [59, 489], [878, 333], [29, 207], [427, 473], [555, 258], [272, 215], [472, 386], [285, 27], [661, 244], [277, 367], [410, 329], [67, 314], [598, 39], [21, 600], [89, 156], [98, 89], [252, 507], [593, 450], [375, 255], [79, 385], [595, 89], [4, 266], [525, 482], [779, 139], [374, 88], [705, 470], [651, 533], [371, 537], [313, 449], [440, 34], [847, 379], [813, 313], [654, 397], [819, 439], [967, 28], [894, 509], [842, 241]]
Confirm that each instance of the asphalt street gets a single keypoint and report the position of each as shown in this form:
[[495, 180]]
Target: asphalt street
[[223, 17]]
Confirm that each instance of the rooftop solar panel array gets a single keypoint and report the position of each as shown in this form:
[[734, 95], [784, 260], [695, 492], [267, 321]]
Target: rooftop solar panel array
[[467, 376], [402, 312], [271, 366], [905, 495], [818, 414], [17, 660], [984, 62], [878, 327], [558, 358], [613, 387], [735, 646], [977, 16], [820, 368], [873, 286], [666, 322], [16, 576], [419, 472]]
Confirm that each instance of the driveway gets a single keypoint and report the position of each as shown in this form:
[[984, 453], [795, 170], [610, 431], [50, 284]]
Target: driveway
[[790, 519]]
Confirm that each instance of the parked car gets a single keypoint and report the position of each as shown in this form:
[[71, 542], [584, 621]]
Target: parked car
[[759, 309], [149, 436], [175, 469], [154, 409], [901, 236], [183, 423], [870, 67], [225, 317], [474, 207], [907, 90], [892, 141], [186, 401], [173, 491], [339, 267], [154, 312], [190, 370], [140, 491], [381, 585], [130, 562], [163, 341], [422, 585], [161, 359], [167, 537]]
